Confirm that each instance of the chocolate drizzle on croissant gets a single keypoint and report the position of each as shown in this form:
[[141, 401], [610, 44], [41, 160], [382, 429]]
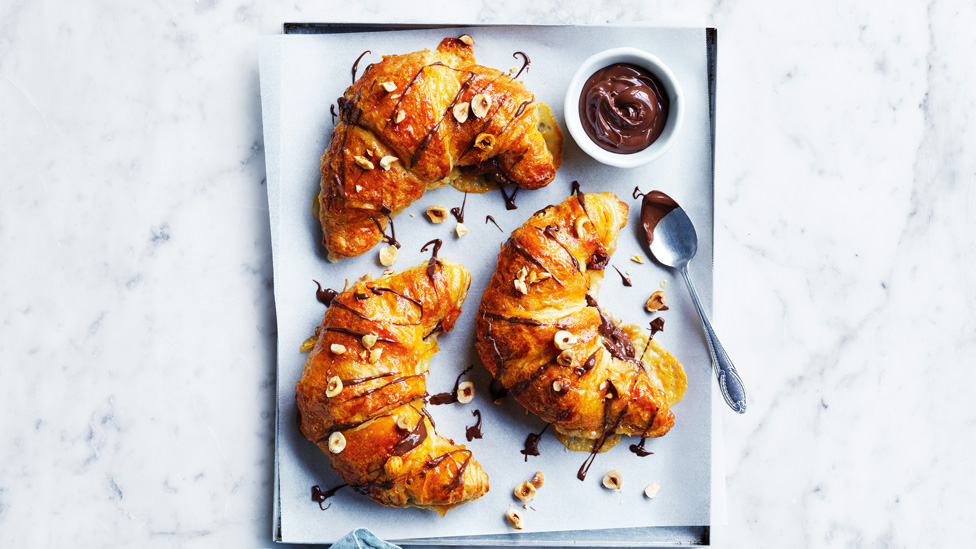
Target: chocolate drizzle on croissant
[[414, 124], [366, 379], [595, 383]]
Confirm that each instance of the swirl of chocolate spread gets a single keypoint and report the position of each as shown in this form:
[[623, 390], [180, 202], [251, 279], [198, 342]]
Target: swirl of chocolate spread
[[623, 108]]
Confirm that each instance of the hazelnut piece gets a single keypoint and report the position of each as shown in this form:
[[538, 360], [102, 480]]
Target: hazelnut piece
[[388, 86], [400, 115], [465, 392], [564, 340], [387, 161], [461, 230], [480, 105], [388, 255], [337, 349], [565, 358], [655, 302], [334, 387], [363, 162], [525, 491], [337, 442], [369, 340], [520, 286], [461, 111], [403, 422], [652, 489], [538, 480], [466, 40], [485, 142], [437, 214], [613, 480], [637, 259], [374, 355], [514, 518]]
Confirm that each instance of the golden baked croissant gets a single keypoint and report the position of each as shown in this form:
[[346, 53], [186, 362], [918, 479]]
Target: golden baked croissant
[[410, 123], [542, 335], [361, 397]]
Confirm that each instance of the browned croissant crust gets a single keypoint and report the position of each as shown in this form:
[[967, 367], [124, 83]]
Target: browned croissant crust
[[370, 393], [609, 379], [389, 147]]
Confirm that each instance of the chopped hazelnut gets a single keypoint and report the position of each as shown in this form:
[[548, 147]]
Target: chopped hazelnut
[[520, 286], [337, 349], [359, 188], [485, 142], [613, 480], [387, 161], [437, 214], [538, 480], [337, 442], [637, 259], [514, 518], [388, 255], [363, 162], [466, 40], [388, 86], [334, 387], [400, 115], [655, 302], [363, 355], [465, 392], [564, 340], [461, 111], [461, 230], [480, 105], [374, 354], [369, 340], [525, 491], [652, 489], [565, 358], [403, 422], [533, 277], [543, 276], [557, 386]]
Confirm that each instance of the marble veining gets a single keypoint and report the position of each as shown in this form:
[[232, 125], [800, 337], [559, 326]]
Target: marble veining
[[137, 359]]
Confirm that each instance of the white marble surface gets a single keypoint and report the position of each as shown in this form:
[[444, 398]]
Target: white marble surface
[[137, 321]]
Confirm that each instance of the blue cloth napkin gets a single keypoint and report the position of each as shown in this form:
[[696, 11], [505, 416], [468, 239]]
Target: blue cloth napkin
[[362, 539]]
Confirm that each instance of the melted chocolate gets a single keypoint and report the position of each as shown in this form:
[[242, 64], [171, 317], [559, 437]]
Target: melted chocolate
[[615, 340], [333, 113], [319, 496], [509, 198], [639, 448], [458, 213], [598, 260], [525, 62], [497, 391], [452, 397], [513, 319], [474, 431], [654, 206], [623, 278], [623, 108], [580, 197], [414, 438], [492, 219], [385, 385], [607, 429], [588, 365], [325, 296], [657, 325], [377, 290], [550, 232], [425, 142], [432, 262], [358, 380], [532, 443], [355, 66]]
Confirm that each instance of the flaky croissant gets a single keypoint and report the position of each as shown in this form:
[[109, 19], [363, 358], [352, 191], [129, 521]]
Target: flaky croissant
[[410, 123], [542, 335], [361, 397]]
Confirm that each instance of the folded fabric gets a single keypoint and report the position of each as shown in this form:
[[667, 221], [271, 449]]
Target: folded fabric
[[362, 539]]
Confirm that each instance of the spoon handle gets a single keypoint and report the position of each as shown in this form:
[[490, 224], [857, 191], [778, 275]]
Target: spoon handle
[[728, 379]]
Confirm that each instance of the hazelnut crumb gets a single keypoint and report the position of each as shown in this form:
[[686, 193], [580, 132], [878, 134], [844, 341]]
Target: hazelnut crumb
[[388, 86], [521, 287], [565, 358], [334, 387], [480, 105], [337, 349], [388, 255], [387, 161], [461, 111], [437, 214], [637, 259], [564, 340], [337, 442], [538, 480], [613, 480], [363, 162], [514, 518], [374, 354], [369, 340], [465, 392], [655, 302], [466, 40], [400, 115], [652, 489], [461, 230], [525, 491]]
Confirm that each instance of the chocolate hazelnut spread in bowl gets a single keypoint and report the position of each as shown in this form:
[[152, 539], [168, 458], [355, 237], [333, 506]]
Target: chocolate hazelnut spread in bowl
[[624, 107]]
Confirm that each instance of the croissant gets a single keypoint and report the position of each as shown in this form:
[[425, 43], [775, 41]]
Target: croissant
[[419, 121], [541, 333], [361, 397]]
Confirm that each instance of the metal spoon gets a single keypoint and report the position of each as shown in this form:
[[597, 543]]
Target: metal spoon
[[672, 240]]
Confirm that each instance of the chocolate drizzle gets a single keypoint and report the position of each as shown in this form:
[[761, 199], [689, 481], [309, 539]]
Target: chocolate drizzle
[[657, 325], [325, 296], [497, 391], [355, 66], [458, 213], [333, 113], [525, 62], [432, 263], [610, 396], [598, 260], [639, 448], [319, 496], [474, 431], [358, 380], [385, 385], [580, 197], [452, 397], [532, 443], [525, 253], [513, 319], [623, 278], [492, 219], [588, 364], [509, 198], [377, 290], [412, 439], [550, 232], [353, 333], [430, 133]]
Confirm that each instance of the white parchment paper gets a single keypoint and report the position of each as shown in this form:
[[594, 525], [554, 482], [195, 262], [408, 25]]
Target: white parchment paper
[[301, 76]]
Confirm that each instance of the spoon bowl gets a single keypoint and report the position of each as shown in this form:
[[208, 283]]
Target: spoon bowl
[[670, 235]]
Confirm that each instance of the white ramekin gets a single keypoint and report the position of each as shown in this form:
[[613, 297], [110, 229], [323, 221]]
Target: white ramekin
[[634, 56]]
